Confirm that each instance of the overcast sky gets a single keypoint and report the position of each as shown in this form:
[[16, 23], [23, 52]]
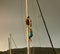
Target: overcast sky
[[12, 20]]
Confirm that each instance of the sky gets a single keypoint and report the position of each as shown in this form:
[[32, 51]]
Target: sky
[[12, 20]]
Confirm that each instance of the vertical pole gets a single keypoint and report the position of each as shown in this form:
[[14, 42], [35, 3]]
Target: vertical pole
[[28, 42], [10, 43], [27, 11]]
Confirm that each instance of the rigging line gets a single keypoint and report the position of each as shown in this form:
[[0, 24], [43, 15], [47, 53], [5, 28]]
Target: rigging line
[[46, 27], [14, 42]]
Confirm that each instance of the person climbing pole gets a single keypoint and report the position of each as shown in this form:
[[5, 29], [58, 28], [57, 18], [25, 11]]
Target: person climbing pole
[[29, 23]]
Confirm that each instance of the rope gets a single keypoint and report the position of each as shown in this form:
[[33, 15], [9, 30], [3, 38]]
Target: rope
[[14, 42], [46, 27]]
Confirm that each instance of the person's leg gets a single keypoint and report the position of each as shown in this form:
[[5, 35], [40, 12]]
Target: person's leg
[[30, 38]]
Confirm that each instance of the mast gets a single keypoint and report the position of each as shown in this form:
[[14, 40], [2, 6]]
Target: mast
[[27, 11], [9, 41], [28, 42]]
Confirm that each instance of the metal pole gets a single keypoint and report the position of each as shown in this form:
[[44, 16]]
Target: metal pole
[[27, 11], [10, 43], [28, 42]]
